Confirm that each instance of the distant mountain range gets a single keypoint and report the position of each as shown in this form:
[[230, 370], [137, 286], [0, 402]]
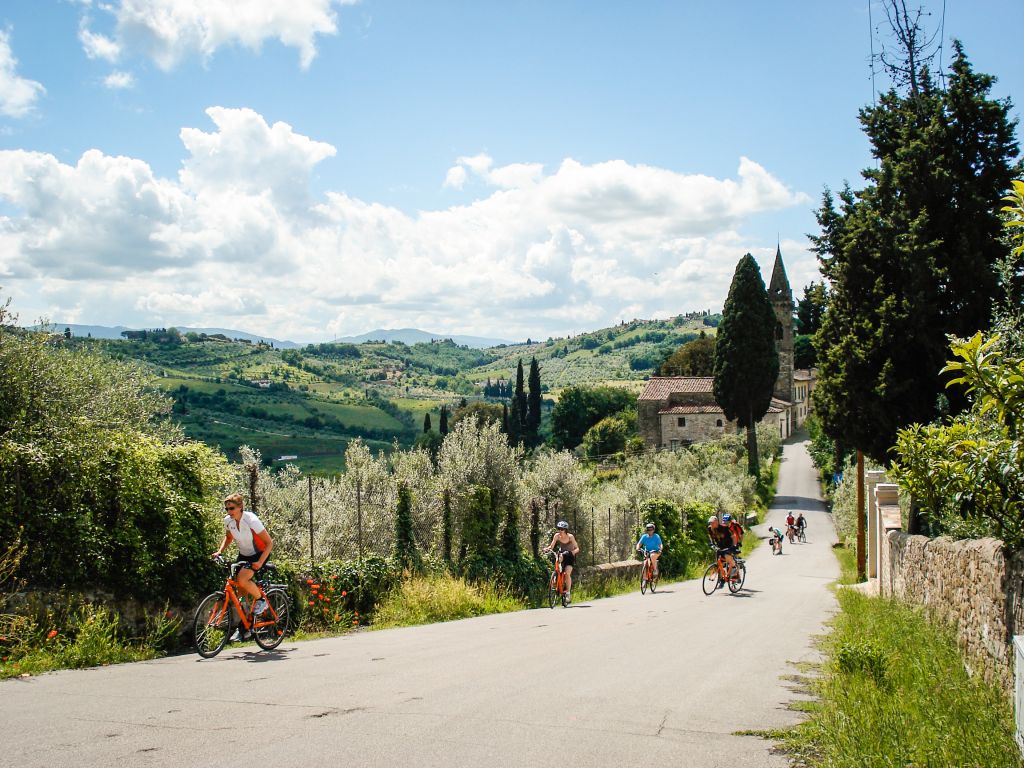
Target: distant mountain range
[[404, 335]]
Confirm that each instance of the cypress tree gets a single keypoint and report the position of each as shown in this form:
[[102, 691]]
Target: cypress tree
[[517, 415], [426, 422], [443, 426], [405, 541], [533, 405], [746, 361]]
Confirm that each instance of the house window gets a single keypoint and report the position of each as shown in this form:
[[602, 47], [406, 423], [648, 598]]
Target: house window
[[681, 421], [674, 445], [718, 423]]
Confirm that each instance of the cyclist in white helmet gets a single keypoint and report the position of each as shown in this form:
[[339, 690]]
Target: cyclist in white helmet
[[566, 544]]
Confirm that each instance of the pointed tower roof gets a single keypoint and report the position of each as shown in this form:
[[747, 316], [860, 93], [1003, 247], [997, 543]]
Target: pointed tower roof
[[779, 286]]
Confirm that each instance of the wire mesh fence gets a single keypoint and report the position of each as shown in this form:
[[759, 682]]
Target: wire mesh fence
[[349, 518]]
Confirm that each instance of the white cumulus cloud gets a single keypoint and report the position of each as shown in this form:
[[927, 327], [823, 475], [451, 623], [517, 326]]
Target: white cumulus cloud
[[117, 81], [17, 94], [238, 238], [168, 31]]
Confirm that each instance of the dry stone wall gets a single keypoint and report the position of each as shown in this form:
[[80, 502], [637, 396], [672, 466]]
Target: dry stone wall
[[970, 585]]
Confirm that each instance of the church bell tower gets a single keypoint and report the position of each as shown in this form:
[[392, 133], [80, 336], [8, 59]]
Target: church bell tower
[[781, 297]]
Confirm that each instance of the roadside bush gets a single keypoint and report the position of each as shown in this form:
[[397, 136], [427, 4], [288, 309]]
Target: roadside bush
[[442, 597], [337, 593]]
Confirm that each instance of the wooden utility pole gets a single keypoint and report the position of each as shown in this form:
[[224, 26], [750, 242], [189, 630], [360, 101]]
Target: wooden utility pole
[[861, 560]]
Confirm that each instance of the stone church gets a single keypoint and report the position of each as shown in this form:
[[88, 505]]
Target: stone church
[[674, 411]]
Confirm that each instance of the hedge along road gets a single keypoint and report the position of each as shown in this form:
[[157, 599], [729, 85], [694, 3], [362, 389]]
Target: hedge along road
[[662, 679]]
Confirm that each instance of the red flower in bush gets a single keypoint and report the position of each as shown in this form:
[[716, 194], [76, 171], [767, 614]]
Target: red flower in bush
[[310, 602], [344, 593], [51, 634]]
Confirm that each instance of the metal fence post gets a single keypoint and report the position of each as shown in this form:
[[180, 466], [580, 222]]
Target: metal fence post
[[359, 518], [534, 528], [312, 556], [593, 539], [609, 534]]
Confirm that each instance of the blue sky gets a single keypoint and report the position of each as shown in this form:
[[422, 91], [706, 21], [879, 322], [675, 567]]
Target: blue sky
[[310, 168]]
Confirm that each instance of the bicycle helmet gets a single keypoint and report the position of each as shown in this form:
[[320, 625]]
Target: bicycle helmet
[[726, 517], [649, 526], [712, 519], [563, 525]]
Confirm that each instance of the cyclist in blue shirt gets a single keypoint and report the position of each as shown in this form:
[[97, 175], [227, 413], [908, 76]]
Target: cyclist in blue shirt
[[651, 542]]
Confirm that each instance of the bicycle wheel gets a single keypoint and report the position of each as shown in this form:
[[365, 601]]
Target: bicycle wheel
[[643, 581], [710, 581], [269, 628], [552, 591], [653, 584], [740, 572], [211, 625], [803, 536]]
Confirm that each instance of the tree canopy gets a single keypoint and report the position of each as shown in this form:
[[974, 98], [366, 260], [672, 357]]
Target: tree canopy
[[910, 258]]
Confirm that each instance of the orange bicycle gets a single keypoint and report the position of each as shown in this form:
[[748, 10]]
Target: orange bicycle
[[220, 614], [556, 584], [647, 577]]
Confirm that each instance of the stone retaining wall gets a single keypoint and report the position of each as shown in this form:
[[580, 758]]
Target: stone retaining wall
[[969, 585], [595, 574]]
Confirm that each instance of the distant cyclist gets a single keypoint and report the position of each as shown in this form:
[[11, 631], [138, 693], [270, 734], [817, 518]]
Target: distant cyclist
[[721, 540], [566, 544], [650, 543], [801, 524], [790, 527], [254, 545], [775, 540]]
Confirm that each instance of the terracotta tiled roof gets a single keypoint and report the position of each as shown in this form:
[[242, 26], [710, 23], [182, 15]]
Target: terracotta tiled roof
[[660, 387], [681, 409], [802, 374], [781, 404]]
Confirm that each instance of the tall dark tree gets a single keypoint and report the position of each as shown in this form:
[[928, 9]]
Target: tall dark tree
[[533, 405], [443, 425], [406, 554], [910, 258], [426, 422], [811, 308], [517, 413], [746, 361]]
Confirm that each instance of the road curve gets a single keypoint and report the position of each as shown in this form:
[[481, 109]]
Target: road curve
[[662, 679]]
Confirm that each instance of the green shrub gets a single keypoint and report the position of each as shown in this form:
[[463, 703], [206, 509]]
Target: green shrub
[[442, 597]]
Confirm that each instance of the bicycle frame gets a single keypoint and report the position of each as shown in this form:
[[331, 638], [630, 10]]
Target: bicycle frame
[[559, 574], [231, 600]]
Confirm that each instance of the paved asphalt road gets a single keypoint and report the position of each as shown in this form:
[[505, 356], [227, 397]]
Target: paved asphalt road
[[661, 679]]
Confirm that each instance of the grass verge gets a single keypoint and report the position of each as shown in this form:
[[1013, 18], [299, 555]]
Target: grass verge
[[92, 637], [441, 597], [894, 691]]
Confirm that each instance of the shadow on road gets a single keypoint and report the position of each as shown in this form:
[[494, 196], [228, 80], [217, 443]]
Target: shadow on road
[[797, 503]]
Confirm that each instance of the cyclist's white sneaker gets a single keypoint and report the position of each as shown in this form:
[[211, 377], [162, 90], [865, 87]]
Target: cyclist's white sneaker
[[568, 598], [260, 607]]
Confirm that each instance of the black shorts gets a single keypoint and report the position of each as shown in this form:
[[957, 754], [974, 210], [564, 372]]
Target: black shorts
[[247, 559], [728, 551], [568, 558]]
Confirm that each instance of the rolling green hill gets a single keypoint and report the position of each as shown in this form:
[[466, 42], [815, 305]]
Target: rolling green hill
[[305, 405]]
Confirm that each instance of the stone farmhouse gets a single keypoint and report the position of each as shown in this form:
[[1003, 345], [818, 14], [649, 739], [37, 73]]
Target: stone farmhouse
[[674, 411]]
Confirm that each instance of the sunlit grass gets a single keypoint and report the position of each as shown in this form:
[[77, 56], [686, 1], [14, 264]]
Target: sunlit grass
[[441, 597], [895, 692]]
